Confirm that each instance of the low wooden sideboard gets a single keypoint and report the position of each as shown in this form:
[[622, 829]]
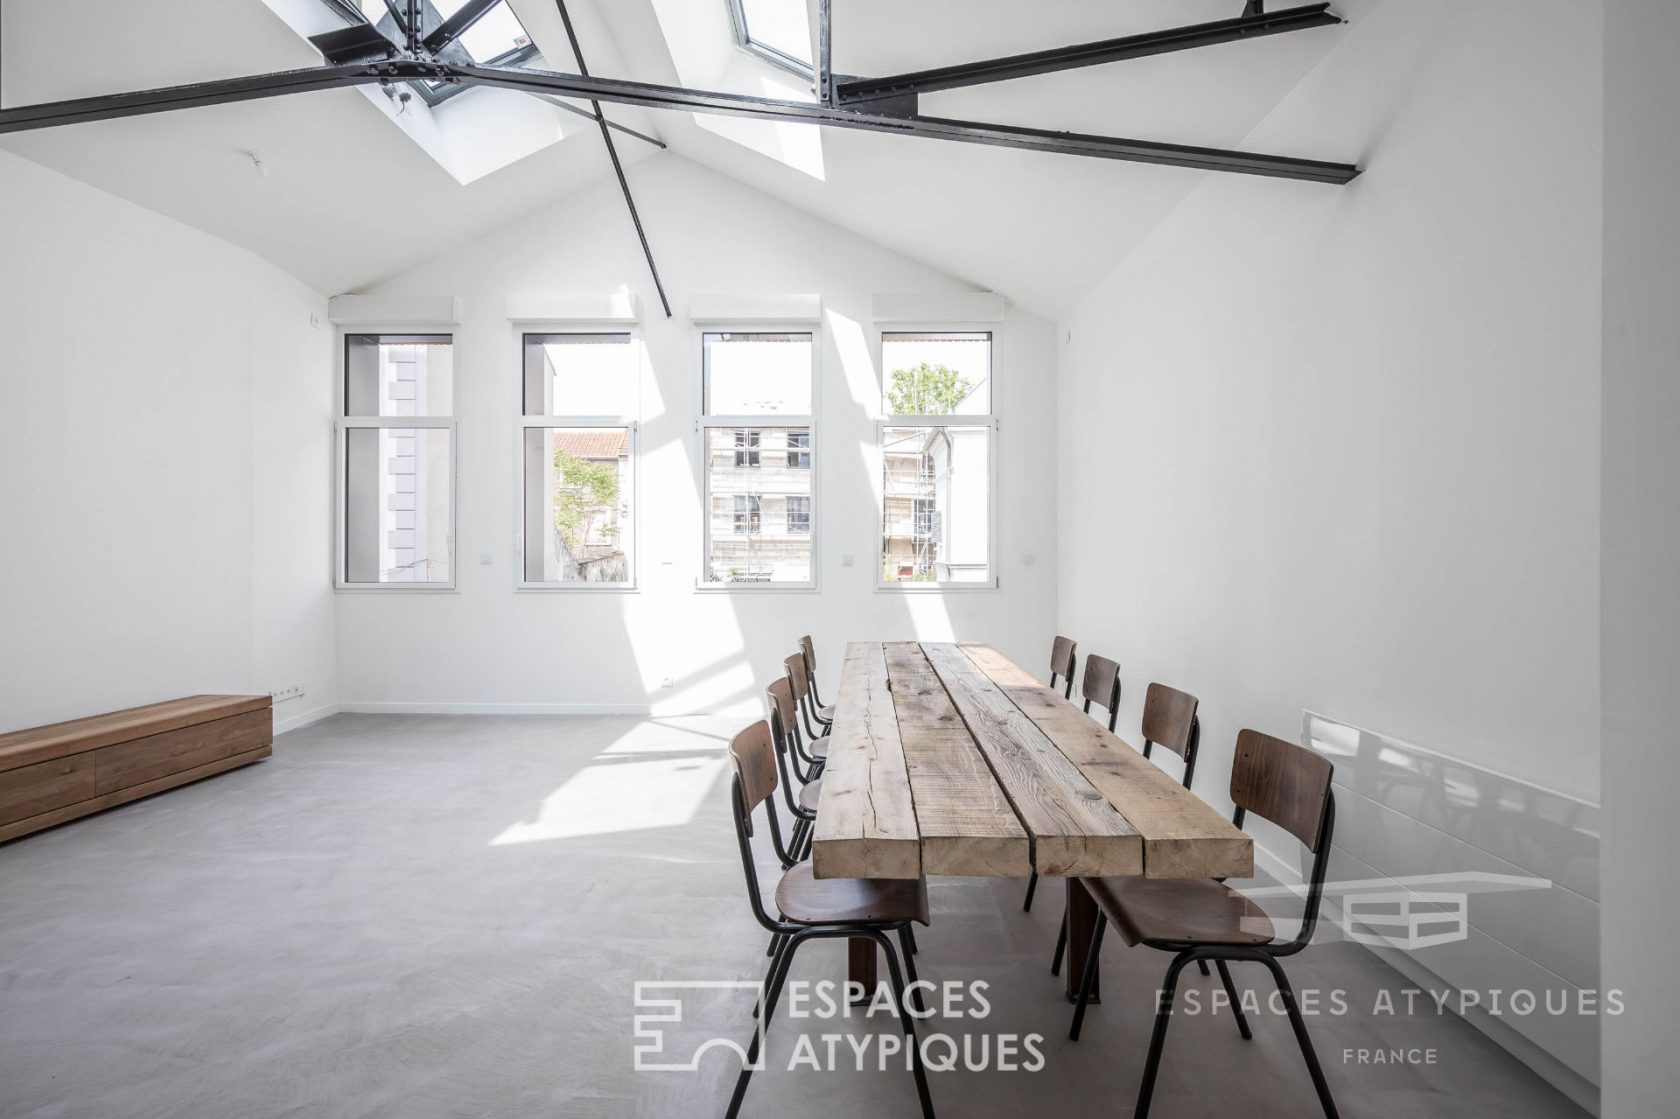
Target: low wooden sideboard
[[56, 773]]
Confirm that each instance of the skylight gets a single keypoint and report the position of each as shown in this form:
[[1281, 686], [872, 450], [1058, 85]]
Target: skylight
[[497, 33], [494, 37], [778, 31]]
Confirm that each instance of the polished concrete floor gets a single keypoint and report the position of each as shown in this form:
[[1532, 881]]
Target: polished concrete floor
[[417, 916]]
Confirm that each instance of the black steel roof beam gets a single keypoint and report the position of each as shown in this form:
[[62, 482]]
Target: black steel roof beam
[[222, 91], [617, 165], [453, 27], [648, 95], [1088, 54]]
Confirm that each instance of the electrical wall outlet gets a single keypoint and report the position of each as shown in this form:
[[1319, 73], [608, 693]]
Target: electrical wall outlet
[[290, 691], [667, 682]]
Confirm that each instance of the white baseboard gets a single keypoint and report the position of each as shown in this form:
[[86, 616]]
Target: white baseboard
[[364, 707], [1582, 1092], [295, 722]]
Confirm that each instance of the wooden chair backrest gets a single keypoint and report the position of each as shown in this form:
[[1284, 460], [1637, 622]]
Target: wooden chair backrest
[[795, 666], [781, 705], [1169, 716], [754, 758], [1102, 682], [1282, 782], [810, 652], [1061, 657]]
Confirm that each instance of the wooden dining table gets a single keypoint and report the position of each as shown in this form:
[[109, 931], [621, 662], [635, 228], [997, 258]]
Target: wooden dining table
[[952, 759]]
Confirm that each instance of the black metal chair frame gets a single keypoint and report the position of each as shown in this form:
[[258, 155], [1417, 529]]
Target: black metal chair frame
[[1219, 954], [812, 764], [810, 656], [807, 707], [807, 765], [804, 819], [1190, 748], [788, 936]]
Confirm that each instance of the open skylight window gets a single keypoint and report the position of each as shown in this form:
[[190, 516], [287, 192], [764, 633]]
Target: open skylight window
[[778, 31], [491, 35]]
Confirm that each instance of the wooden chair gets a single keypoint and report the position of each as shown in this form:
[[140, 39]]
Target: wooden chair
[[1203, 919], [1061, 663], [813, 909], [809, 758], [1169, 718], [802, 806], [815, 725], [1101, 685], [805, 646]]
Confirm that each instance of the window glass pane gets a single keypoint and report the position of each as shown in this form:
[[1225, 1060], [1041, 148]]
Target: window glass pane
[[398, 375], [937, 374], [781, 25], [396, 505], [580, 375], [748, 374], [578, 523], [760, 507], [935, 524], [495, 33]]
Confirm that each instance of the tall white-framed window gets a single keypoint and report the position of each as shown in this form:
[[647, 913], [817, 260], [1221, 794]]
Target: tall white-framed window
[[395, 452], [758, 459], [580, 393], [938, 439]]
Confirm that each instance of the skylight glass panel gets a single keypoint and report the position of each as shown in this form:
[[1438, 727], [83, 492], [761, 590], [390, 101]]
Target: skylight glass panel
[[496, 33], [781, 25], [496, 36]]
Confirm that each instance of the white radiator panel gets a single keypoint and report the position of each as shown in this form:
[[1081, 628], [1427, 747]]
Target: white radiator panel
[[1522, 859]]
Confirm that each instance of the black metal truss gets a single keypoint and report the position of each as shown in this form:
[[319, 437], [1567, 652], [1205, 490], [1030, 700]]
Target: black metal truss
[[1246, 26], [612, 153], [654, 96]]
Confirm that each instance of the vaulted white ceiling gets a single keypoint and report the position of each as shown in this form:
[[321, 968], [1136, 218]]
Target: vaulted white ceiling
[[347, 196]]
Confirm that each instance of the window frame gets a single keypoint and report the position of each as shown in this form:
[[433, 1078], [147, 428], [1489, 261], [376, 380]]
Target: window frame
[[757, 421], [628, 422], [343, 423], [764, 51], [513, 58], [988, 420]]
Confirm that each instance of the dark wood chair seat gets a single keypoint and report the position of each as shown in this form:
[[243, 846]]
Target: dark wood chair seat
[[1180, 911], [851, 909], [811, 795], [808, 900]]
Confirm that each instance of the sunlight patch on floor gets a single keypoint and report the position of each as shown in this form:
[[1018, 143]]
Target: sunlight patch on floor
[[619, 794]]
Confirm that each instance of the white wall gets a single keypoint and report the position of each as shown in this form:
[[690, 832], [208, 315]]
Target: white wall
[[1337, 448], [1641, 552], [164, 461], [490, 647], [1346, 439]]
